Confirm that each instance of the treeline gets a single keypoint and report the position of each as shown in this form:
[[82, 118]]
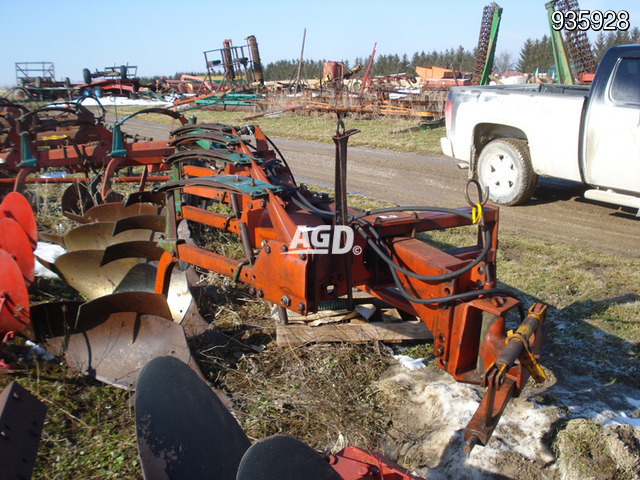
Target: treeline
[[539, 53], [461, 59], [534, 54]]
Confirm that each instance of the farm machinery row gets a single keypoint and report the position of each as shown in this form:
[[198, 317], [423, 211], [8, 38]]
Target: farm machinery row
[[133, 260]]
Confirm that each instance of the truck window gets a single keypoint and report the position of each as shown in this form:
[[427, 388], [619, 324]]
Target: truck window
[[625, 87]]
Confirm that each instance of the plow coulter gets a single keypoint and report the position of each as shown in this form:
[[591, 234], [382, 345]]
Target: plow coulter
[[134, 260]]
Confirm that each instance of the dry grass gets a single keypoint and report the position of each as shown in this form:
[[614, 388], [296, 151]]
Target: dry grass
[[321, 394], [588, 451], [375, 131], [89, 430]]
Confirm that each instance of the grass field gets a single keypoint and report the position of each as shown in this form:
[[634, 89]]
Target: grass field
[[376, 132]]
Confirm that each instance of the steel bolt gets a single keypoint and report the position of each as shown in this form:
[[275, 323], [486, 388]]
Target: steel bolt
[[283, 248], [259, 294], [249, 206], [285, 301], [301, 307], [252, 290], [267, 249], [441, 338], [263, 204], [438, 351], [302, 256]]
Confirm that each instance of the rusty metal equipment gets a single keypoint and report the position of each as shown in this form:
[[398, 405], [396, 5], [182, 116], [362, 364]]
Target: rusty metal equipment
[[39, 80], [304, 252], [124, 324], [74, 139], [487, 40], [117, 81], [574, 46], [301, 251], [578, 43], [241, 65]]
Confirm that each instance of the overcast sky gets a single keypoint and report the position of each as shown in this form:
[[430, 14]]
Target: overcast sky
[[164, 37]]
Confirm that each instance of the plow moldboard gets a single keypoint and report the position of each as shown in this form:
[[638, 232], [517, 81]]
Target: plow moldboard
[[115, 348]]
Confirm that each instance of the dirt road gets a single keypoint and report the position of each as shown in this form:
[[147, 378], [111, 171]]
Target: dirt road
[[557, 213]]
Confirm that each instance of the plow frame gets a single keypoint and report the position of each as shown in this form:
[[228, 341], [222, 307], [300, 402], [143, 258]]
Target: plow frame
[[455, 294]]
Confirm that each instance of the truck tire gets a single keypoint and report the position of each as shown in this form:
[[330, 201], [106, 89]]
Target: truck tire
[[504, 166]]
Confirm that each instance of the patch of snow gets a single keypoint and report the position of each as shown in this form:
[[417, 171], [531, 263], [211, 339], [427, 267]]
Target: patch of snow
[[633, 401], [441, 408], [410, 363], [48, 252]]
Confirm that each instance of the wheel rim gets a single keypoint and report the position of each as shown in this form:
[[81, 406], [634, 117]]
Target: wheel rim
[[501, 174]]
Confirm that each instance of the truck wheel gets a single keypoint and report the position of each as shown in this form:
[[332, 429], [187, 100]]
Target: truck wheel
[[504, 166]]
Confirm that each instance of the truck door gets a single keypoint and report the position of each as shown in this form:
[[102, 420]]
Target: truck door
[[611, 154]]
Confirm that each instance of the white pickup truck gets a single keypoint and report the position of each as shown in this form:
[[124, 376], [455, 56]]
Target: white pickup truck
[[510, 135]]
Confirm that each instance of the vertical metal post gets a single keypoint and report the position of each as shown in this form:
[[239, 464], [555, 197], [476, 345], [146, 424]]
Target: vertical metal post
[[304, 36], [341, 139]]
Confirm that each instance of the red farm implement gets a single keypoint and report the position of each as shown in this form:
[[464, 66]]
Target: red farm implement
[[301, 251], [73, 140]]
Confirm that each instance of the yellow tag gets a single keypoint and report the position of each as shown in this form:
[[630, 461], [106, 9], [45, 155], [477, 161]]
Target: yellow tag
[[54, 137], [476, 213]]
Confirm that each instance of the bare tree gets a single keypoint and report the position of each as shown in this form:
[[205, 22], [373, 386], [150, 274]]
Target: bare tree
[[502, 62]]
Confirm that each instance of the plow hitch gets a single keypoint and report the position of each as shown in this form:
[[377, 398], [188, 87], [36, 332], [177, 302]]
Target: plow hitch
[[504, 378]]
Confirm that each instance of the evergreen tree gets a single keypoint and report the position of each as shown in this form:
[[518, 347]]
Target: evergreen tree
[[611, 39], [535, 54]]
